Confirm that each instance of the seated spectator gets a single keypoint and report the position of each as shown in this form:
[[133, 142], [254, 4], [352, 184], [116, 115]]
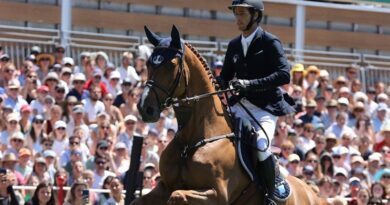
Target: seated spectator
[[60, 137], [121, 159], [116, 116], [75, 195], [379, 117], [126, 86], [340, 126], [341, 176], [51, 162], [103, 197], [43, 195], [385, 133], [24, 167], [340, 157], [363, 196], [16, 142], [37, 105], [306, 141], [293, 165], [25, 119], [93, 105], [129, 107], [326, 163], [100, 172], [309, 116], [116, 195], [14, 99], [74, 145], [11, 128], [55, 113], [378, 192], [9, 162], [325, 186], [7, 193], [40, 170], [354, 187], [78, 83], [312, 160], [36, 134]]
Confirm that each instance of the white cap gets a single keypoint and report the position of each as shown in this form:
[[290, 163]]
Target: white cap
[[293, 157], [130, 117], [59, 124], [115, 74], [13, 116], [343, 101], [340, 170], [345, 90], [383, 97], [376, 156], [68, 60], [339, 150], [324, 74], [353, 179], [80, 77]]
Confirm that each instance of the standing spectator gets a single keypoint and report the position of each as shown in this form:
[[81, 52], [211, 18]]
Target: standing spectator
[[127, 70], [43, 195], [14, 99], [93, 105]]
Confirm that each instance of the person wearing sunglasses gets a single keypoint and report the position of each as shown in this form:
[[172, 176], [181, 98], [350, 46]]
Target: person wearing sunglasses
[[101, 172], [12, 127], [73, 147]]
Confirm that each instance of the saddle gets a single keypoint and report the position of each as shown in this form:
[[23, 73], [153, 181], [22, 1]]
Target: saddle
[[246, 137]]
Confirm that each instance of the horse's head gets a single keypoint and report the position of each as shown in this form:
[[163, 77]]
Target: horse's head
[[166, 75]]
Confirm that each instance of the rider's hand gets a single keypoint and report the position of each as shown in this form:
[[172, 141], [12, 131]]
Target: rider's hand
[[240, 85]]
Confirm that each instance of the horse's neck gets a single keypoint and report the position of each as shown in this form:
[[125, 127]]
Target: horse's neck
[[204, 118]]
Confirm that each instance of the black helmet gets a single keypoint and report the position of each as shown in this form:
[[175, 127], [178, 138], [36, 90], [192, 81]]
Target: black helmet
[[256, 4]]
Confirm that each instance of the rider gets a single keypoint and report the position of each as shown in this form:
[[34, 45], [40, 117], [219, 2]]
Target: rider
[[256, 66]]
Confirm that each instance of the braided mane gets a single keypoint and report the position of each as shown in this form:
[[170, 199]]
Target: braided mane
[[205, 65]]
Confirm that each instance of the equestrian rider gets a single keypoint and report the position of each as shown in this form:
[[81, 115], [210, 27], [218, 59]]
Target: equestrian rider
[[256, 66]]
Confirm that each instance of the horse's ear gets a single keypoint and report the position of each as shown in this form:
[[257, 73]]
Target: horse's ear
[[175, 36], [152, 37]]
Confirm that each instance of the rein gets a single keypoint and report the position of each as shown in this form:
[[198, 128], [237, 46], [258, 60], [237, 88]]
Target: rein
[[197, 97]]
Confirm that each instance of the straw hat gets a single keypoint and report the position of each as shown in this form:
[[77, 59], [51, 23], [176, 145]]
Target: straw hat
[[46, 55], [10, 157]]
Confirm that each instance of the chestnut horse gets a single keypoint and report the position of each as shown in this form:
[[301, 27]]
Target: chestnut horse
[[211, 172]]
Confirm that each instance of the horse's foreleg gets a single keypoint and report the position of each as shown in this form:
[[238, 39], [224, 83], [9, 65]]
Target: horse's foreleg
[[159, 195], [196, 197]]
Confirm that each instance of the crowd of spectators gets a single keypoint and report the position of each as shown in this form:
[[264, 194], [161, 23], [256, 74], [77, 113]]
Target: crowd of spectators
[[71, 121]]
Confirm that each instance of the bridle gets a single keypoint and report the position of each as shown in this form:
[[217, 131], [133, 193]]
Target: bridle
[[172, 89], [170, 100]]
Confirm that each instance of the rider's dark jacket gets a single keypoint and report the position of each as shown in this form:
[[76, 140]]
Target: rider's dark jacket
[[266, 66]]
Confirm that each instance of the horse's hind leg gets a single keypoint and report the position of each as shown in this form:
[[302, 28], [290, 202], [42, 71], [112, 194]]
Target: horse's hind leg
[[158, 196], [196, 197]]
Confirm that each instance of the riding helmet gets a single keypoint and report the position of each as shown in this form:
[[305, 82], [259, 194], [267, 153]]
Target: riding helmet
[[256, 4]]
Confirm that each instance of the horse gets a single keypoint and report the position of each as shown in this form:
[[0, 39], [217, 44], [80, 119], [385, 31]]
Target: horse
[[200, 165]]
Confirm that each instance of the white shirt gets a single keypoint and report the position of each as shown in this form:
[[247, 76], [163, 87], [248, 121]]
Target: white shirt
[[38, 106], [98, 183], [129, 72], [247, 41], [91, 110]]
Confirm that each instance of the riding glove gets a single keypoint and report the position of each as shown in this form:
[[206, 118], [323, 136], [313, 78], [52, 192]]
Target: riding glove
[[240, 85]]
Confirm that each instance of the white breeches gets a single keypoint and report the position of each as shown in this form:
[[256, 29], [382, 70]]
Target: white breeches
[[266, 120]]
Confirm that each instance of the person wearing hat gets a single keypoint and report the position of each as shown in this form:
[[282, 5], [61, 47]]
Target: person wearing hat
[[344, 92], [126, 86], [25, 118], [329, 117], [297, 74], [243, 57], [44, 61], [340, 81], [101, 60], [16, 142], [51, 80], [311, 75], [127, 69], [373, 166], [78, 83], [67, 62], [379, 118], [77, 113], [12, 121], [309, 116], [340, 156], [113, 85], [385, 133], [341, 176], [9, 162], [24, 167], [293, 166], [60, 137], [85, 63], [37, 105], [127, 135], [354, 187], [14, 99], [121, 158]]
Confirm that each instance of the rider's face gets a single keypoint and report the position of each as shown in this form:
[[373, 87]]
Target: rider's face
[[242, 16]]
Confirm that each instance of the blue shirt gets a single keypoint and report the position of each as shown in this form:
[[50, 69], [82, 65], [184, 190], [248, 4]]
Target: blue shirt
[[15, 104]]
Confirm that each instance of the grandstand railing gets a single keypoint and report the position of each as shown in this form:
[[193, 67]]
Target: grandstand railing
[[17, 42]]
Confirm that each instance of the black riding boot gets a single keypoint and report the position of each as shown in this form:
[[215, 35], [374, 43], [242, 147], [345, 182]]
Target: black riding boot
[[276, 186]]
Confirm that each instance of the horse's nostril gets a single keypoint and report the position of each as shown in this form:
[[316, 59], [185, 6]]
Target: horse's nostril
[[149, 111]]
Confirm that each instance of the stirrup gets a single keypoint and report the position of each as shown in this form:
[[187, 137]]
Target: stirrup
[[282, 189]]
